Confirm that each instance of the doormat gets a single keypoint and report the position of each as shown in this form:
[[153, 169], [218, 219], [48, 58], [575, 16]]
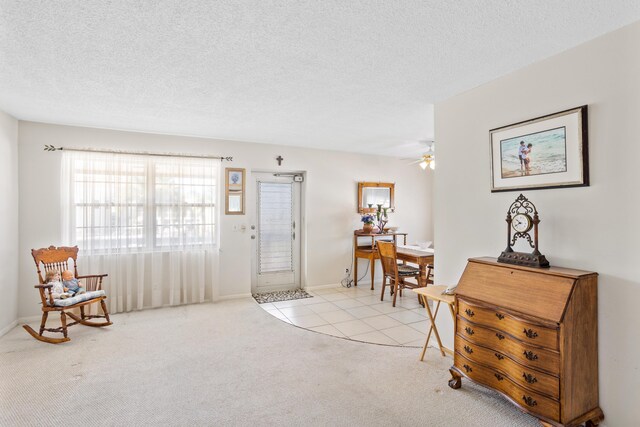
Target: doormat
[[281, 296]]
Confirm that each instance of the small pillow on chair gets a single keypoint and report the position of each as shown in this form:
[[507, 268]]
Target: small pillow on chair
[[407, 270], [78, 298]]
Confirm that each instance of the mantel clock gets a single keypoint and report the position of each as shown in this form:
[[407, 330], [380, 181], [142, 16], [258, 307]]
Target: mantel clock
[[522, 218]]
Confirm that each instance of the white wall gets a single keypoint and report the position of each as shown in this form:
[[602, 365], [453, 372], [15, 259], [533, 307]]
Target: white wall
[[330, 198], [591, 228], [8, 221]]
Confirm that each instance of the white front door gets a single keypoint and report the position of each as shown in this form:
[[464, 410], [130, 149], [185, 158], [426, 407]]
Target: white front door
[[276, 236]]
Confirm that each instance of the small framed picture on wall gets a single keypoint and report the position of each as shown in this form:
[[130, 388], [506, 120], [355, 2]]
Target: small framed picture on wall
[[234, 191]]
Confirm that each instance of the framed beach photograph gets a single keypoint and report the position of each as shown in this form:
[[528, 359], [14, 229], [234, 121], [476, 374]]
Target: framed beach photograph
[[546, 152], [234, 191]]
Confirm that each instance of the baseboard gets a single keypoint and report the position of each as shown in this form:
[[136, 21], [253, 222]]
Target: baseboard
[[234, 296], [316, 287], [362, 284], [9, 327]]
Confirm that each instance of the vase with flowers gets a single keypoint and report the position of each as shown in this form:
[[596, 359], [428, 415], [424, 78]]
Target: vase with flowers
[[368, 221]]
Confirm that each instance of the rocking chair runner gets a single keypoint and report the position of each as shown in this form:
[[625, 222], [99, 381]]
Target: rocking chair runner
[[57, 259]]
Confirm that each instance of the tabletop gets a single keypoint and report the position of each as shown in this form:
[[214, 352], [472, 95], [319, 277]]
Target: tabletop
[[418, 253], [360, 233], [435, 293]]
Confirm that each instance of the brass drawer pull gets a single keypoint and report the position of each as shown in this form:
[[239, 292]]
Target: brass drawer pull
[[467, 368], [530, 355], [469, 312], [500, 316], [499, 377], [469, 330], [468, 349], [500, 336], [529, 400], [499, 356], [530, 333], [529, 378]]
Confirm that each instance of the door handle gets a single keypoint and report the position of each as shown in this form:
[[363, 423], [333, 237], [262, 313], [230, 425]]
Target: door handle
[[294, 235], [253, 236]]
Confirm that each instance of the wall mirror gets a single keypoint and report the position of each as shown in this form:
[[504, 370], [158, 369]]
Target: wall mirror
[[234, 191], [372, 194]]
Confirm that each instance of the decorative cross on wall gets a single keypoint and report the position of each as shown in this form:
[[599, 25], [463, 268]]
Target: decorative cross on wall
[[279, 159]]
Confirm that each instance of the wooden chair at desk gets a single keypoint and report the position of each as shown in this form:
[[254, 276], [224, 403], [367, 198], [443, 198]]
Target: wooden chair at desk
[[369, 251], [394, 272]]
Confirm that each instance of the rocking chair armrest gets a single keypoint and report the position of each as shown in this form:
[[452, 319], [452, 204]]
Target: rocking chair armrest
[[43, 294], [90, 276], [93, 282]]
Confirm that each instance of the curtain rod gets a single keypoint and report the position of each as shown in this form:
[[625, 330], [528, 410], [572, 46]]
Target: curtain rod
[[141, 153]]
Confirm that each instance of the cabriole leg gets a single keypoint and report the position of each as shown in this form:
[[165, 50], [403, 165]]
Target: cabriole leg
[[456, 381], [595, 420]]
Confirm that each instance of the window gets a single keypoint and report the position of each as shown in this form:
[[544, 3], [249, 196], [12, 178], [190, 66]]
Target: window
[[184, 207], [129, 203]]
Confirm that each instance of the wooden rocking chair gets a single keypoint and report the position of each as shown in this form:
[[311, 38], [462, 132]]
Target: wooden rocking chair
[[57, 259]]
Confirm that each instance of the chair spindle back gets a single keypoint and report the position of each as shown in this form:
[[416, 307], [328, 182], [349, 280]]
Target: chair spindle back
[[388, 258], [54, 259]]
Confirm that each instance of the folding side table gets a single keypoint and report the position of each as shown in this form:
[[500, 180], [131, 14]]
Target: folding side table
[[435, 293]]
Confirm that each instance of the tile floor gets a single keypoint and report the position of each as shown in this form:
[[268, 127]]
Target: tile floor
[[357, 314]]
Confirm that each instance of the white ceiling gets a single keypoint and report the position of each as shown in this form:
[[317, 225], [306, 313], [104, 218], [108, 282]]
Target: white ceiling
[[335, 74]]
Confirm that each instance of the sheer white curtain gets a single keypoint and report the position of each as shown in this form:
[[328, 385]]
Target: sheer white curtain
[[149, 222]]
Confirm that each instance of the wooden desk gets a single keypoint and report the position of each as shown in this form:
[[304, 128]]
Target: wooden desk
[[422, 258], [369, 251], [435, 293]]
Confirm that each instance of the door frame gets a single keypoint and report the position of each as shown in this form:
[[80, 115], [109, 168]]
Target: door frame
[[252, 216]]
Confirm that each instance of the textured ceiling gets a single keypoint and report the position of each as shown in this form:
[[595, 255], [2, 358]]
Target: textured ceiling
[[335, 74]]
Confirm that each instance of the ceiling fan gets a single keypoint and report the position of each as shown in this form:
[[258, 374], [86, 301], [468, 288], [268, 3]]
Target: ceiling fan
[[428, 158]]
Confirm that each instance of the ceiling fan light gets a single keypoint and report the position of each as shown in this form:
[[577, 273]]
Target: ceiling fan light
[[432, 164], [423, 164]]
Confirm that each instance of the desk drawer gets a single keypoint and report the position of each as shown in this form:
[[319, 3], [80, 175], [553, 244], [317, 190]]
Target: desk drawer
[[521, 375], [544, 360], [495, 318], [529, 400]]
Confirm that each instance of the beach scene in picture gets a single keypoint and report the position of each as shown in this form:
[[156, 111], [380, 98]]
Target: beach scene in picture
[[534, 154]]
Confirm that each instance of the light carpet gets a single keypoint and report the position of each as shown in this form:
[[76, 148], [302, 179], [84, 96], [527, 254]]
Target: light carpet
[[232, 364]]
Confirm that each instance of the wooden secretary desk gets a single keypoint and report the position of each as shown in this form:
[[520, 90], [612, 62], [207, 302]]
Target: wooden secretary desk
[[532, 335]]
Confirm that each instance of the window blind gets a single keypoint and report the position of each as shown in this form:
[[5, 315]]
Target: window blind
[[275, 249]]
